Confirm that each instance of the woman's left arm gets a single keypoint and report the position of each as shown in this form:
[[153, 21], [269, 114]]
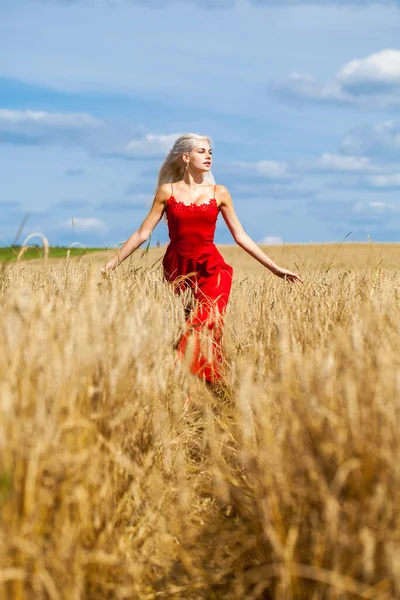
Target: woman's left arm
[[244, 241]]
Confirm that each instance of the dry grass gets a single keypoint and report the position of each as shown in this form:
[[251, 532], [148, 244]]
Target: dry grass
[[285, 484]]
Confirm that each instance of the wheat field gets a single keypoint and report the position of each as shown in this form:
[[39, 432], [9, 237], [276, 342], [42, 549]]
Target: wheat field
[[282, 484]]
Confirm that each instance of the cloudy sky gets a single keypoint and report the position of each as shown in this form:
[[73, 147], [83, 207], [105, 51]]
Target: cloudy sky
[[300, 97]]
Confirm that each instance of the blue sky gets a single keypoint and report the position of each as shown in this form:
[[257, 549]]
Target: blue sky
[[301, 99]]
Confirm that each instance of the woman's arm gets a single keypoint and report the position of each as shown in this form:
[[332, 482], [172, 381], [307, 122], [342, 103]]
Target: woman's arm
[[144, 231], [244, 241]]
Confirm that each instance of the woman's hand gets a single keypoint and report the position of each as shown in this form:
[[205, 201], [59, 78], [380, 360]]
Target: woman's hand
[[288, 275]]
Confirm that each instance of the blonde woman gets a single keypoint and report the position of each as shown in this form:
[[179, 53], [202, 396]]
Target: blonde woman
[[187, 194]]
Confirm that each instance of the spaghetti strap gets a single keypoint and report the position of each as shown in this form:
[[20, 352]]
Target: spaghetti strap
[[172, 189], [214, 191]]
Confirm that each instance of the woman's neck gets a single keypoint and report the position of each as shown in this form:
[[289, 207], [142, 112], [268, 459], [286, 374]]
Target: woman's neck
[[193, 180]]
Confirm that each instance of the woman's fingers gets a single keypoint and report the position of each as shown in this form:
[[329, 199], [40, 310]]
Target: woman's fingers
[[293, 278], [297, 278]]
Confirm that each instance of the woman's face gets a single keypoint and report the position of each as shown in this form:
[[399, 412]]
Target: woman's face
[[200, 157]]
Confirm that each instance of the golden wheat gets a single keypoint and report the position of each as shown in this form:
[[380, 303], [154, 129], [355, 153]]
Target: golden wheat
[[283, 484]]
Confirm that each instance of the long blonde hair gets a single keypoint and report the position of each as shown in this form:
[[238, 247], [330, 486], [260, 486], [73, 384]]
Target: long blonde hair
[[173, 167]]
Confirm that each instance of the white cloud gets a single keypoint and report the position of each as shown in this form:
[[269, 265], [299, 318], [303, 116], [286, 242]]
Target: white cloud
[[41, 127], [360, 218], [269, 169], [371, 174], [80, 129], [272, 240], [17, 120], [380, 139], [378, 69], [372, 81], [149, 145], [136, 202], [85, 224], [381, 205], [384, 181], [354, 172], [304, 87], [343, 163]]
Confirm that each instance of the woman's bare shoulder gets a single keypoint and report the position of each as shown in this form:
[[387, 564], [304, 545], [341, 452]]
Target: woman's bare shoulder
[[164, 191], [222, 192]]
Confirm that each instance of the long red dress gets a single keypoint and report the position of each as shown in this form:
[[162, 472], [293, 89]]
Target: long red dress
[[192, 260]]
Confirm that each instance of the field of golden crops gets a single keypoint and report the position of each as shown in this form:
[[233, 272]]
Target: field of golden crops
[[284, 484]]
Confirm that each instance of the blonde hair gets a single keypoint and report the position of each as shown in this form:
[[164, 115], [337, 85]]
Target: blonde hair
[[173, 167]]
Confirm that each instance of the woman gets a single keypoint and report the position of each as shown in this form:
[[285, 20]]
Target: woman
[[187, 193]]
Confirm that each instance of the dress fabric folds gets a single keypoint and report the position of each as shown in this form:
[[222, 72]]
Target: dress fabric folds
[[192, 260]]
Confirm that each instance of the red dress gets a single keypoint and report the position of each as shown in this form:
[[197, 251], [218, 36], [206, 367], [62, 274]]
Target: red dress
[[192, 260]]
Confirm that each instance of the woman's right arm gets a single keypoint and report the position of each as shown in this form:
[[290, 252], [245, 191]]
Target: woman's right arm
[[144, 231]]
